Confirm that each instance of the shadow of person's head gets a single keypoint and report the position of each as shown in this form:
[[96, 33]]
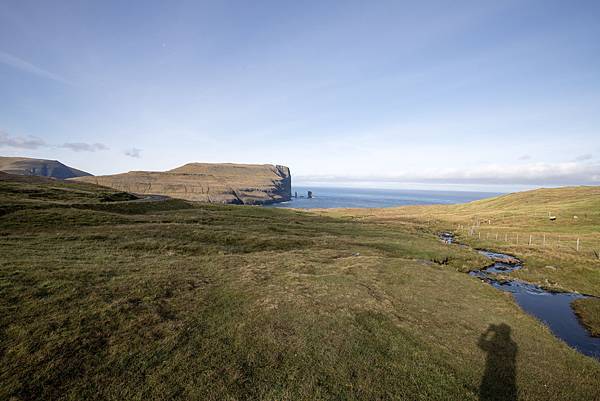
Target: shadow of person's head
[[501, 330]]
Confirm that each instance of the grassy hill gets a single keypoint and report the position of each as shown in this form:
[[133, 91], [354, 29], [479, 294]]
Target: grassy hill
[[38, 167], [247, 184], [519, 224], [506, 223], [577, 210], [176, 300]]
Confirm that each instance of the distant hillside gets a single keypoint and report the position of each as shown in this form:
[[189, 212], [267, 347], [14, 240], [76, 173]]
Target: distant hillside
[[573, 208], [564, 203], [206, 182], [39, 167], [564, 198], [17, 191]]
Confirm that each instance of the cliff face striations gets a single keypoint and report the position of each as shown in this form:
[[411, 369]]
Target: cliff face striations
[[38, 167], [248, 184]]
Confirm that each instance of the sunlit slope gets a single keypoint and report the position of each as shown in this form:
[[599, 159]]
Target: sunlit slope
[[560, 252], [207, 182], [572, 207]]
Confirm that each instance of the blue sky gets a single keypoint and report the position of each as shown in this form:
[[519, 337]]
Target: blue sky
[[449, 94]]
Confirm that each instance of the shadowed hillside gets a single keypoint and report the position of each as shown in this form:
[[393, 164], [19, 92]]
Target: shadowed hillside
[[39, 167]]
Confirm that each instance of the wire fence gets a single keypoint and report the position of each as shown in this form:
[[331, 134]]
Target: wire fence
[[566, 242]]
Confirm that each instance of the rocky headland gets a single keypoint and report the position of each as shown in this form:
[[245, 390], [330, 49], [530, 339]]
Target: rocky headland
[[247, 184]]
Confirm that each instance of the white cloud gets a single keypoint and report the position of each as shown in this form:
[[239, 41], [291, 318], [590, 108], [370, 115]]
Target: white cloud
[[581, 158], [25, 66], [31, 142], [134, 152], [28, 142], [84, 147], [571, 173]]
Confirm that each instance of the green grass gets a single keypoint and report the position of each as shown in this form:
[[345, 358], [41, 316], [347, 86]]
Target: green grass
[[172, 300], [588, 310], [553, 263]]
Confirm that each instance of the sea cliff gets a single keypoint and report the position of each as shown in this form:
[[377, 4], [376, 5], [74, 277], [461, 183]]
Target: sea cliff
[[247, 184]]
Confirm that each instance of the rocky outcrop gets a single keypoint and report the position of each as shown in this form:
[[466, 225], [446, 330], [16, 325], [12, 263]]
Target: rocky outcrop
[[248, 184], [39, 167]]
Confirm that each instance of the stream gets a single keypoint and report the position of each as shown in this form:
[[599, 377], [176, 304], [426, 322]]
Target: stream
[[551, 308]]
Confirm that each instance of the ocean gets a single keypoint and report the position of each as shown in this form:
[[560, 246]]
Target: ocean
[[324, 198]]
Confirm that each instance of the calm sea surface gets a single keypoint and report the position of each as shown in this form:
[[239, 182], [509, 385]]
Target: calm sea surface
[[357, 197]]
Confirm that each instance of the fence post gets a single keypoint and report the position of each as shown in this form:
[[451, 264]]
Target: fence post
[[530, 239], [544, 243], [577, 244], [496, 236], [479, 234]]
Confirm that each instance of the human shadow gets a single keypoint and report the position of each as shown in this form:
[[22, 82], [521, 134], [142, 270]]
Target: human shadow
[[499, 380]]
